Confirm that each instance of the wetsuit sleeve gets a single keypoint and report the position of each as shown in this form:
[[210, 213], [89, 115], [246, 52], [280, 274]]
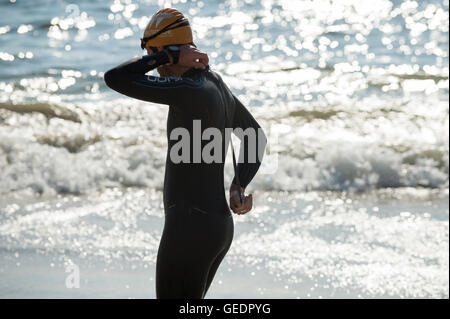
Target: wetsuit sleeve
[[251, 148], [129, 79]]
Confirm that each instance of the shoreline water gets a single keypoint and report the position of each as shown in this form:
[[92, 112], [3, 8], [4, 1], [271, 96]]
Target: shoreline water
[[390, 243]]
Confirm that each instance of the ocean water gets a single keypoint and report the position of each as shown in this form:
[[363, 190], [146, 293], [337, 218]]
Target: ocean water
[[354, 100]]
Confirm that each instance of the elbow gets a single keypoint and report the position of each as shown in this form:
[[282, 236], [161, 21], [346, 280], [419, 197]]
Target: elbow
[[110, 78]]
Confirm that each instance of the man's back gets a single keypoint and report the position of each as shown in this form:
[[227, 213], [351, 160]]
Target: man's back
[[200, 107], [186, 181]]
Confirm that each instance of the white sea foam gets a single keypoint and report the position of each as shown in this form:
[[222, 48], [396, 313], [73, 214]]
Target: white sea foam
[[123, 144]]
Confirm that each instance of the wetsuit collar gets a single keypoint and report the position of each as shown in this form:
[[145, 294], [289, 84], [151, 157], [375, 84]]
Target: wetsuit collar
[[193, 71]]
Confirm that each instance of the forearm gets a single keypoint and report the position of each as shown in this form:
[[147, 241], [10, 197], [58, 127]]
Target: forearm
[[135, 66], [251, 155], [246, 173], [130, 79], [252, 145]]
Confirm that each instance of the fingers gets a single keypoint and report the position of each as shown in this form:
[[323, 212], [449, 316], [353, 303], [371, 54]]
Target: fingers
[[192, 57], [243, 208], [195, 62], [203, 58], [235, 204], [200, 55], [198, 65], [200, 60], [248, 203]]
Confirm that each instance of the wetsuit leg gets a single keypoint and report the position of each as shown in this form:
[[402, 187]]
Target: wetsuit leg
[[192, 246], [216, 263]]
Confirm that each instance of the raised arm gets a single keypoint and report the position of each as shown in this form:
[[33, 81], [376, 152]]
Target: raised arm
[[129, 79]]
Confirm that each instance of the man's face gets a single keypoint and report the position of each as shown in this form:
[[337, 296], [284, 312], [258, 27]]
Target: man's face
[[163, 70]]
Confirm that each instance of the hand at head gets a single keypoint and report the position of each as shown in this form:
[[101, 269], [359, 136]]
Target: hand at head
[[192, 57]]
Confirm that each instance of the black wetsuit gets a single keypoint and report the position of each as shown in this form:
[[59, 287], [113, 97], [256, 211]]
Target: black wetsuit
[[198, 228]]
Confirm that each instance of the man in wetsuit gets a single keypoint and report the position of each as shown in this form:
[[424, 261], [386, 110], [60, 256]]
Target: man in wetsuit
[[198, 227]]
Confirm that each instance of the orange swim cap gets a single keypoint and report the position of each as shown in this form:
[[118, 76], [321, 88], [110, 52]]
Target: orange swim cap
[[167, 26]]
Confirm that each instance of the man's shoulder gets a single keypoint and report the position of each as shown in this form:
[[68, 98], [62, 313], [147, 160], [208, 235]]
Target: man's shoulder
[[214, 74], [216, 78]]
